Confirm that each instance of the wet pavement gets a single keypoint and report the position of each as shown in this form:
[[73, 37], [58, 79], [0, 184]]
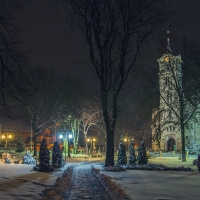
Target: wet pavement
[[85, 185]]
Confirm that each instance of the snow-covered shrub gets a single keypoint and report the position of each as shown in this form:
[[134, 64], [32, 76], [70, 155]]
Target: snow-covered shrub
[[44, 158], [28, 159], [20, 145], [57, 156], [191, 146], [122, 159], [142, 156]]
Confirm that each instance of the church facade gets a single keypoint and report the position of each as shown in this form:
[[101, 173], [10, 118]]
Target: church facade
[[166, 120]]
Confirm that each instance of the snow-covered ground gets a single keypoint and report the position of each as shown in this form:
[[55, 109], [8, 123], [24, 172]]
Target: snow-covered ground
[[157, 185], [20, 182]]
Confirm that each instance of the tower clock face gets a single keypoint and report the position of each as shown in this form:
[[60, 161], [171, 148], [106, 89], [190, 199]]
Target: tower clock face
[[167, 59]]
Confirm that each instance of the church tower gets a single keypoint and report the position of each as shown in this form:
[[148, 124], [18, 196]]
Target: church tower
[[170, 78], [175, 112], [170, 81]]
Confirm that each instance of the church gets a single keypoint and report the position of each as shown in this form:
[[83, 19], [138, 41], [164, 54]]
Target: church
[[176, 114]]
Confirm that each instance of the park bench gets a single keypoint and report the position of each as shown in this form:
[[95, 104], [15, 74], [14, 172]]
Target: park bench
[[80, 157]]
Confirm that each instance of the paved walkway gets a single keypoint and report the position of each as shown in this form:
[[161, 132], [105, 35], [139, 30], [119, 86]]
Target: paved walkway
[[84, 185]]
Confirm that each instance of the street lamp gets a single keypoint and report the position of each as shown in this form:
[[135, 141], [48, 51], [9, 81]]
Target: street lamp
[[69, 137], [127, 140], [7, 136], [92, 145], [66, 139], [89, 140]]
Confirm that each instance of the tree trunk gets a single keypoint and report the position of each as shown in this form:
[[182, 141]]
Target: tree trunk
[[86, 146], [182, 125], [110, 149], [183, 143], [110, 128]]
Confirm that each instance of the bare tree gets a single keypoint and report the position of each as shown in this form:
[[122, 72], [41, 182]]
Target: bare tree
[[13, 80], [115, 31], [69, 115], [43, 105], [91, 116]]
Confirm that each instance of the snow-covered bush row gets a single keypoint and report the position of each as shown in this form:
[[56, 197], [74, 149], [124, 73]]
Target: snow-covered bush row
[[157, 167]]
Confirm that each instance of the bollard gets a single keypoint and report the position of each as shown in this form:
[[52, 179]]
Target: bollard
[[173, 153], [160, 153], [187, 154]]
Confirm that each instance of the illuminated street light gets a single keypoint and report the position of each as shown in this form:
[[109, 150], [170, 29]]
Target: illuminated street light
[[89, 140], [61, 136], [128, 140], [66, 139], [6, 137], [69, 137], [92, 146]]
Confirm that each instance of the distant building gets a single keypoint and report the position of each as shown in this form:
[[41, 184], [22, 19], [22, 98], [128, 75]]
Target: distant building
[[17, 128], [14, 128]]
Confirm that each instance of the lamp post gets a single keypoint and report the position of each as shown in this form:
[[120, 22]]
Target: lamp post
[[127, 140], [69, 137], [92, 145], [7, 136], [64, 141], [89, 140]]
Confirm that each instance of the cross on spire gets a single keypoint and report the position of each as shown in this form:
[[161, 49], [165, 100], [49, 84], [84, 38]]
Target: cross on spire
[[169, 44]]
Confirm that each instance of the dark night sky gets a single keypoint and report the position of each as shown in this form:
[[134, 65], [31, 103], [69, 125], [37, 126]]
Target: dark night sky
[[50, 43]]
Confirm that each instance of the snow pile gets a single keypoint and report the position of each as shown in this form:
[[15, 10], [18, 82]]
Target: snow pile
[[158, 167], [114, 169], [57, 192], [112, 190]]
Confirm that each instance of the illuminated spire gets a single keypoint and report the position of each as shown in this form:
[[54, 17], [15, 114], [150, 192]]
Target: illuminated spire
[[169, 49]]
